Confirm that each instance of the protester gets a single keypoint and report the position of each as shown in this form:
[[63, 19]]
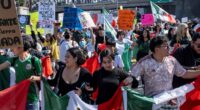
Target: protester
[[118, 62], [108, 78], [71, 76], [65, 44], [26, 68], [171, 33], [189, 58], [143, 45], [101, 37], [158, 68], [182, 36]]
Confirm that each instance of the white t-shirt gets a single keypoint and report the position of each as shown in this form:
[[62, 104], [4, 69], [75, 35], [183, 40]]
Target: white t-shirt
[[121, 45], [64, 46], [118, 62]]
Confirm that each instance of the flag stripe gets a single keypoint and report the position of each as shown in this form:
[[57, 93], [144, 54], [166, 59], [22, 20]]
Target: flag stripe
[[169, 95], [51, 100], [124, 92], [15, 97]]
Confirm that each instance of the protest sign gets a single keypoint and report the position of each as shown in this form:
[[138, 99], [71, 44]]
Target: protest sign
[[34, 21], [147, 20], [86, 20], [10, 35], [126, 19], [23, 16], [184, 19], [71, 19], [46, 11], [100, 19]]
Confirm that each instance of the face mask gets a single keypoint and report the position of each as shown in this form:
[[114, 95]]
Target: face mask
[[82, 43]]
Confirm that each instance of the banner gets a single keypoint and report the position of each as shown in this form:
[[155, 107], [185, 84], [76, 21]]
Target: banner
[[46, 11], [86, 20], [10, 35], [71, 19], [126, 19], [147, 20]]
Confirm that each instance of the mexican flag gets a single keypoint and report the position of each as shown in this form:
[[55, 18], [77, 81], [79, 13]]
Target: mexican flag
[[71, 101], [126, 57], [188, 97], [125, 98], [109, 30], [115, 103], [161, 14], [92, 63], [191, 100], [15, 97], [51, 101]]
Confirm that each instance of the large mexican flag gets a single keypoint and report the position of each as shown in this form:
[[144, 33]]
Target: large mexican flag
[[125, 98]]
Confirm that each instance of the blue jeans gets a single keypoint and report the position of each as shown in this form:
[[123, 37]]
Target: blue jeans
[[32, 105]]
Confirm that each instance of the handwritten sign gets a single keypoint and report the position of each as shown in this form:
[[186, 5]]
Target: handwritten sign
[[71, 19], [86, 20], [10, 35], [147, 19], [46, 14], [126, 19]]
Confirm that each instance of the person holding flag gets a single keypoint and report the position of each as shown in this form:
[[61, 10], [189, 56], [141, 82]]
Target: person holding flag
[[26, 67], [107, 79], [157, 69]]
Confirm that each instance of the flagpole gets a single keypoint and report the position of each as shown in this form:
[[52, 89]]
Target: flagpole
[[104, 26]]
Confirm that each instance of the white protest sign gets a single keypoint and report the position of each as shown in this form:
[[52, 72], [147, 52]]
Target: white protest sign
[[100, 19], [184, 19], [86, 20], [23, 10], [10, 35], [46, 14]]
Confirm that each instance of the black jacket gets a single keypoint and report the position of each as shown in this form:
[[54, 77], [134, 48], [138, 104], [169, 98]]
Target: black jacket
[[187, 57]]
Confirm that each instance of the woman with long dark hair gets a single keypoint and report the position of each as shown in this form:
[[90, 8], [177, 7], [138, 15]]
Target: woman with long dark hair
[[143, 44], [108, 78], [71, 76]]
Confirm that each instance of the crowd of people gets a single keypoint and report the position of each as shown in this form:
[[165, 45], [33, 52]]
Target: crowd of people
[[167, 56]]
